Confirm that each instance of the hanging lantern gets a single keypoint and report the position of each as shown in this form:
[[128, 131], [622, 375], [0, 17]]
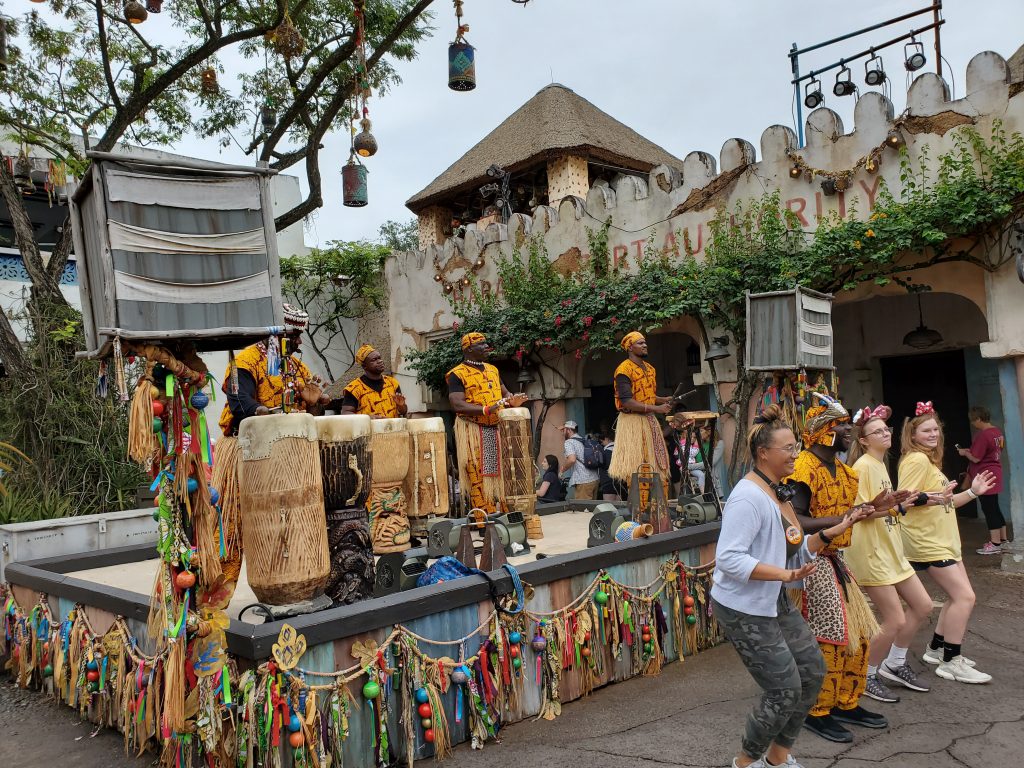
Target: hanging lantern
[[153, 6], [461, 66], [268, 118], [208, 84], [871, 164], [364, 143], [287, 40], [353, 183], [135, 12], [23, 174]]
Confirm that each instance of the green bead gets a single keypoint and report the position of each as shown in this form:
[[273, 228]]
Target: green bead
[[158, 424], [517, 662], [691, 620], [601, 597], [48, 671], [648, 648], [371, 690]]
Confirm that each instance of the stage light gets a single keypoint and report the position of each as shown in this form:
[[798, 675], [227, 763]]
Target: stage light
[[874, 74], [812, 94], [844, 85], [913, 53]]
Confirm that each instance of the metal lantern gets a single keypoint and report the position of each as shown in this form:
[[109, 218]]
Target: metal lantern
[[268, 118], [461, 66], [353, 184], [364, 142], [153, 6], [23, 173], [208, 84], [135, 12]]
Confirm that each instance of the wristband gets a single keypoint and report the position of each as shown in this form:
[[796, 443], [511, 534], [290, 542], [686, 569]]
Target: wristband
[[971, 493], [921, 500], [901, 510], [825, 537]]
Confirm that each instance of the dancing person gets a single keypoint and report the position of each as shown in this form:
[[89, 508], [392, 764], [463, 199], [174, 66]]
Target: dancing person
[[984, 455], [476, 395], [931, 539], [761, 547], [582, 479], [638, 436], [375, 394], [550, 489], [876, 559], [836, 610]]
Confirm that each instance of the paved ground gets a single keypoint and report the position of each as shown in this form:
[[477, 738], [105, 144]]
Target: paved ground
[[689, 716]]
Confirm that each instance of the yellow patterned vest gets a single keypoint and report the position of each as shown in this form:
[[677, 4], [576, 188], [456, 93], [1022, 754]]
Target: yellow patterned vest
[[483, 387], [373, 403], [643, 380], [269, 389], [830, 496]]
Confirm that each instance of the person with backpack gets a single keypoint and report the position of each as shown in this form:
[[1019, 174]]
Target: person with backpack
[[583, 459]]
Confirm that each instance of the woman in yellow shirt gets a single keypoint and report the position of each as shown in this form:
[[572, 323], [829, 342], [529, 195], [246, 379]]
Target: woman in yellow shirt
[[876, 558], [931, 540]]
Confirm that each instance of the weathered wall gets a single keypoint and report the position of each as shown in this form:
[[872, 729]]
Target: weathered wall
[[684, 203]]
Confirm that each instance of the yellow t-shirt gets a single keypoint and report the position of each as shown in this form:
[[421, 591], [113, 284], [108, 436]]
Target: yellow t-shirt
[[876, 553], [929, 533]]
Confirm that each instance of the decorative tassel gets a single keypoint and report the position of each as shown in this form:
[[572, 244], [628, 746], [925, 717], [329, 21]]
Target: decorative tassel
[[225, 480], [174, 687], [122, 386], [143, 443]]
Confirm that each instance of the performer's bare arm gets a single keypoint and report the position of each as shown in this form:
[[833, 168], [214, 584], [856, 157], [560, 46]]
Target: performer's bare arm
[[625, 389], [802, 505]]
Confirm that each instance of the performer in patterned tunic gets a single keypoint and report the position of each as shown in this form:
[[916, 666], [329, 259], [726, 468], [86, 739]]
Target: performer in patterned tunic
[[638, 435], [374, 393], [476, 394], [835, 608]]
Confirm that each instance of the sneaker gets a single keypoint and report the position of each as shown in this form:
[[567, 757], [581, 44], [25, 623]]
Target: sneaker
[[1006, 546], [759, 763], [990, 549], [934, 656], [790, 763], [876, 689], [958, 670], [903, 675], [860, 716], [827, 727]]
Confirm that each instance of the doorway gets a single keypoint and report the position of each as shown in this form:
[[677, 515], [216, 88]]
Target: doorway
[[936, 376]]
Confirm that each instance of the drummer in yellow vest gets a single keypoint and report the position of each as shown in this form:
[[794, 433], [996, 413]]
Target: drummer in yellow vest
[[253, 390], [374, 393], [476, 395]]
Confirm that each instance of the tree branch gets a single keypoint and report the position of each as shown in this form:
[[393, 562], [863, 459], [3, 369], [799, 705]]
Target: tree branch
[[101, 32]]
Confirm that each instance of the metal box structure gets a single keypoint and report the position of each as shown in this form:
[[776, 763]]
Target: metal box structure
[[175, 249], [789, 330]]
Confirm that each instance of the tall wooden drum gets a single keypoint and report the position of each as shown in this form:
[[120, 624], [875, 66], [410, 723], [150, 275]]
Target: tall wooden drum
[[345, 459], [284, 529], [427, 481], [515, 441], [388, 505]]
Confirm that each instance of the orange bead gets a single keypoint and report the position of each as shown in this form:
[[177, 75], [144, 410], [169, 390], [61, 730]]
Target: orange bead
[[428, 735], [296, 739], [585, 651], [185, 580], [688, 601]]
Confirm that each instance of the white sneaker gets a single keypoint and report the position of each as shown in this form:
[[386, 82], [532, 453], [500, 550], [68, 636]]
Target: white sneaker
[[759, 763], [790, 763], [934, 656], [959, 671]]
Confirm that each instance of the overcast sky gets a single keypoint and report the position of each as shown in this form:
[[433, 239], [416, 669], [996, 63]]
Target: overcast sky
[[686, 74]]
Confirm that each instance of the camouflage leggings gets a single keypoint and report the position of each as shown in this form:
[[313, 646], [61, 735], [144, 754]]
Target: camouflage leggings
[[783, 657]]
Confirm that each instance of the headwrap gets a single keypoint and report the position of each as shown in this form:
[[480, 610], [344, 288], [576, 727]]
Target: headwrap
[[821, 418], [865, 414], [922, 408], [472, 338], [294, 318], [631, 338], [364, 352]]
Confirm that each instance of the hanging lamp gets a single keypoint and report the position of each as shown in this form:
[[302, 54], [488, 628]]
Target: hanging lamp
[[154, 6], [365, 144], [208, 82], [135, 12], [922, 337], [354, 192], [461, 56]]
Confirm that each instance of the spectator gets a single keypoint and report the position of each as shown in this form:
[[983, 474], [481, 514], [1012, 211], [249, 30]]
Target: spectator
[[582, 480], [550, 488], [984, 454], [608, 488]]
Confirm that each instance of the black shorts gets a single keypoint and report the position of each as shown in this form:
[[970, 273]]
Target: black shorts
[[932, 564]]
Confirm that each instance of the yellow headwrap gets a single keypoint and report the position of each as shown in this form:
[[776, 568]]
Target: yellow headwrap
[[364, 352], [631, 338], [820, 419], [472, 338]]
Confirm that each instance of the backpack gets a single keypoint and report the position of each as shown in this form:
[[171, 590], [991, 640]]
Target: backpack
[[593, 453]]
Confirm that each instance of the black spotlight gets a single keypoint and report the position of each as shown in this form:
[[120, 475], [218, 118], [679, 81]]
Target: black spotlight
[[844, 83], [813, 97], [913, 53], [874, 75]]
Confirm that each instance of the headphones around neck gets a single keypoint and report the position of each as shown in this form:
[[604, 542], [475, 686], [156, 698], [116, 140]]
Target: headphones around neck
[[783, 491]]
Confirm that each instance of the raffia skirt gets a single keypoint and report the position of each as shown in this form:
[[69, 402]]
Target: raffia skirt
[[477, 452], [638, 440]]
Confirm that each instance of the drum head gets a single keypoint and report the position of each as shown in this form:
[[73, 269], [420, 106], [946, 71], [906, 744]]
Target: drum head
[[343, 429], [257, 434], [384, 426], [430, 424]]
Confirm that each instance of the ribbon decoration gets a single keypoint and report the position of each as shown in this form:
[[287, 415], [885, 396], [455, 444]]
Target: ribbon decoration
[[923, 408]]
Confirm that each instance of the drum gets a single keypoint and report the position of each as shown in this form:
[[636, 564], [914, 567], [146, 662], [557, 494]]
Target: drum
[[427, 481], [390, 443], [345, 459], [515, 444], [284, 530], [387, 505]]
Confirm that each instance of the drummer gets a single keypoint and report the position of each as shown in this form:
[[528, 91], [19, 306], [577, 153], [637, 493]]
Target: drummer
[[476, 395], [375, 394], [259, 392]]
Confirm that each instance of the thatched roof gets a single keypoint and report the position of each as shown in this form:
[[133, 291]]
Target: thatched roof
[[554, 121]]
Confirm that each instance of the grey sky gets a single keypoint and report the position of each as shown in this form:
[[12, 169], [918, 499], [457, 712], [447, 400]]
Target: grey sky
[[686, 74]]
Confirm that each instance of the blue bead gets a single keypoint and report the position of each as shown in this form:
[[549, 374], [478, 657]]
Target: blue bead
[[214, 496], [193, 485], [515, 638], [421, 696], [294, 724]]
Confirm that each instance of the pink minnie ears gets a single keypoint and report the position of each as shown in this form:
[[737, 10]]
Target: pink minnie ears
[[865, 414], [923, 408]]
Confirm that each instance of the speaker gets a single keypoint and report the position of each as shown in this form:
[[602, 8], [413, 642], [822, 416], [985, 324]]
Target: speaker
[[515, 522], [695, 510], [439, 537], [605, 520], [398, 571]]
